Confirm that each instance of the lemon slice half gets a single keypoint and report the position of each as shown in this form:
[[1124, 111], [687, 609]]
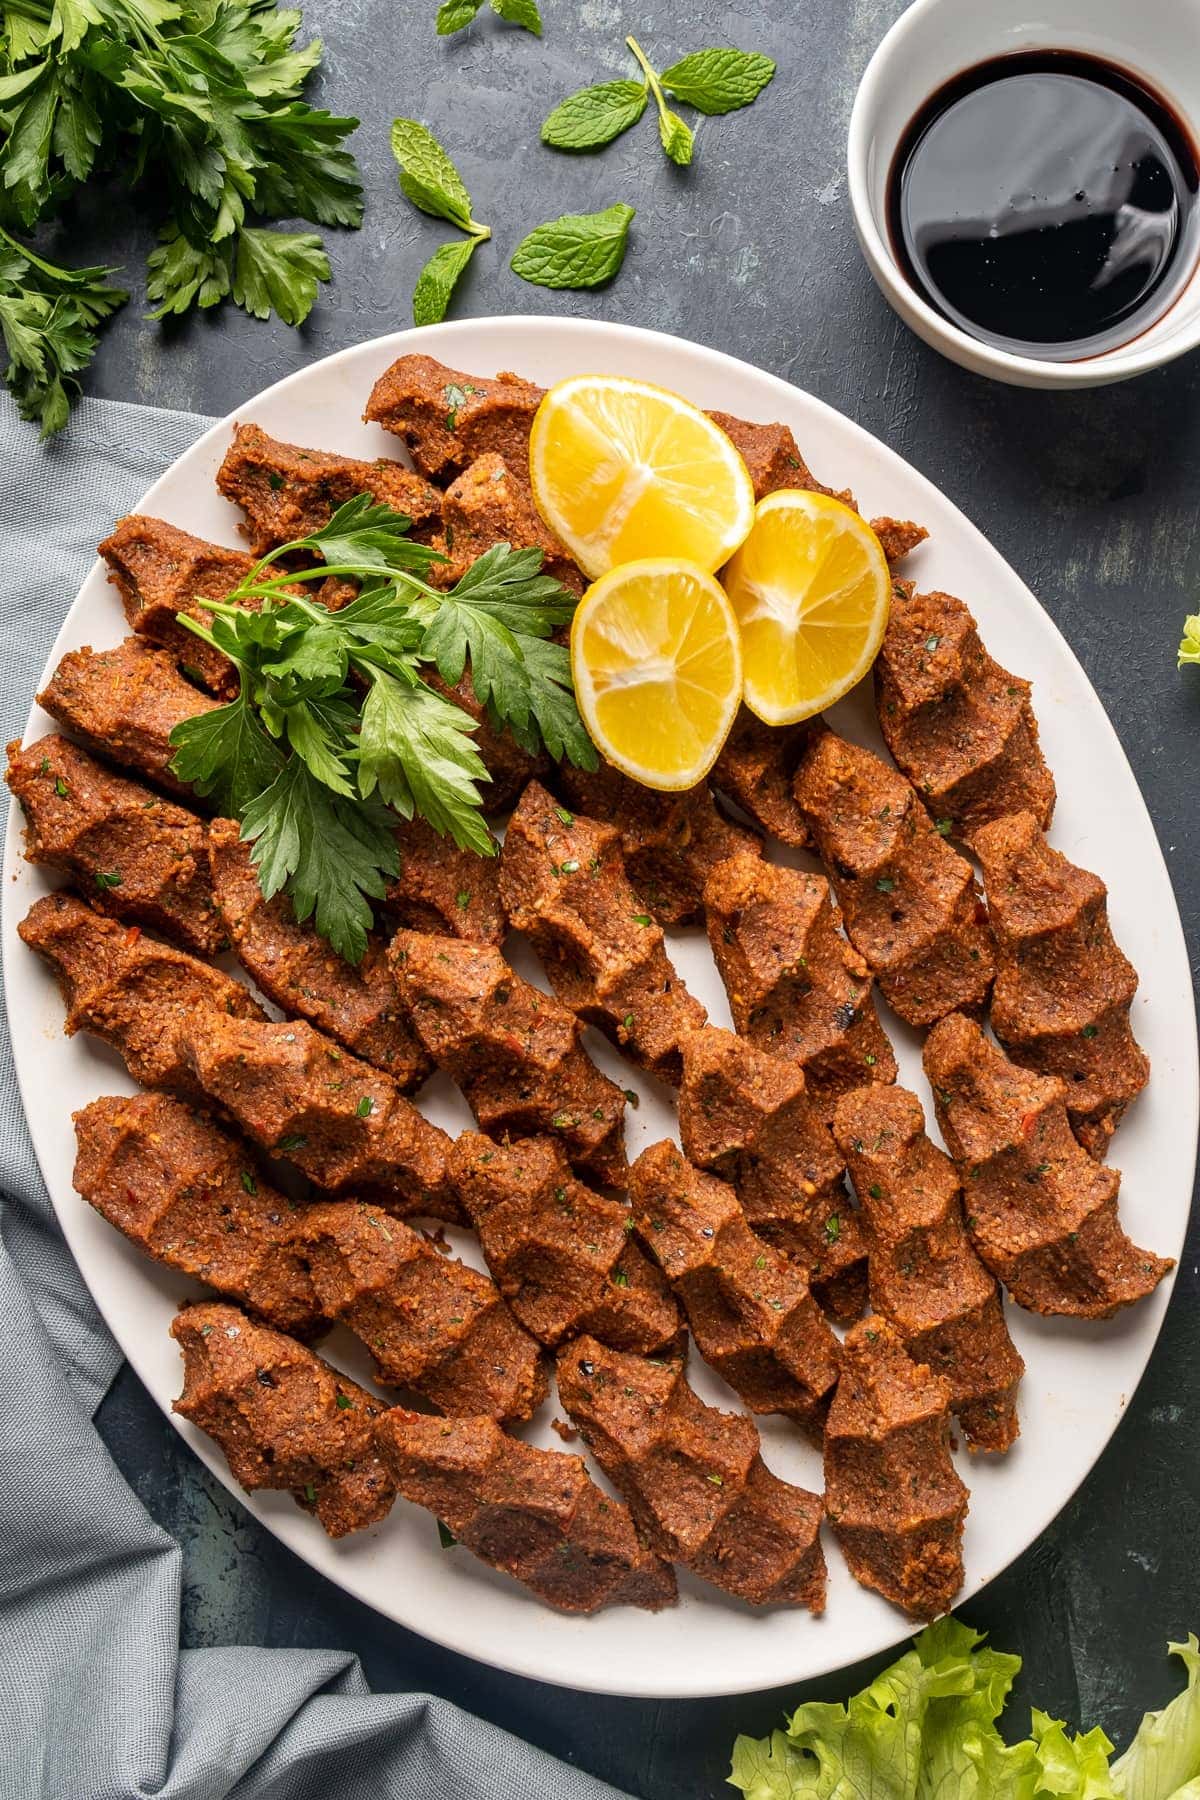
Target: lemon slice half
[[622, 470], [812, 592], [657, 662]]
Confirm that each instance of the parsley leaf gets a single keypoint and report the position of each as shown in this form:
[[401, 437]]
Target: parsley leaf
[[500, 616], [579, 250], [331, 855], [366, 531], [718, 81], [278, 270], [226, 756], [595, 115], [180, 276], [417, 748], [437, 280]]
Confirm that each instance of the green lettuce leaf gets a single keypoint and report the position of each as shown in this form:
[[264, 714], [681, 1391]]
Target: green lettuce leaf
[[1165, 1754]]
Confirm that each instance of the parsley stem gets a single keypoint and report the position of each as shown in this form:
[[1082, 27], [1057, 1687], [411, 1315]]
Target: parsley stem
[[636, 50]]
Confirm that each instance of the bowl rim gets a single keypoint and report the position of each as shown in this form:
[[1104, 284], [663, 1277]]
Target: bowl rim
[[941, 333]]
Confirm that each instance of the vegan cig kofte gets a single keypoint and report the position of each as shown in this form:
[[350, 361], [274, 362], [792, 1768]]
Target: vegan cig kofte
[[282, 1161]]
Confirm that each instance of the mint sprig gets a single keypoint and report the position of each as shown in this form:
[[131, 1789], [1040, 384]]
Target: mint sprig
[[579, 250], [429, 178], [714, 81]]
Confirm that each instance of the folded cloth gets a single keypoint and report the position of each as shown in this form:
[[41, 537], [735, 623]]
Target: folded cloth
[[97, 1701]]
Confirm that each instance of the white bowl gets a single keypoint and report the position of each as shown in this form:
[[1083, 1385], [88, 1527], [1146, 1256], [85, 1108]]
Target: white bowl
[[938, 39]]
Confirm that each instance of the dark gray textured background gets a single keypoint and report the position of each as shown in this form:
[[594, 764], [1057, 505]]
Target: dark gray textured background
[[1091, 497]]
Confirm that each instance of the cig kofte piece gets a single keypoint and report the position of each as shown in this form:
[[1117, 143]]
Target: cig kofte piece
[[1063, 987], [892, 1494], [123, 986], [443, 889], [447, 419], [191, 1196], [796, 988], [909, 900], [563, 1255], [694, 1477], [1041, 1212], [755, 769], [296, 968], [283, 1417], [160, 572], [287, 492], [533, 1514], [960, 727], [751, 1313], [772, 455], [490, 503], [431, 1323], [925, 1278], [135, 854], [344, 1123], [514, 1051], [563, 883], [124, 703], [669, 841], [746, 1116]]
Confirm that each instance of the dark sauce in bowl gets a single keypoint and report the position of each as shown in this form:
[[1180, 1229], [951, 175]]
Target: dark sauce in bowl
[[1046, 203]]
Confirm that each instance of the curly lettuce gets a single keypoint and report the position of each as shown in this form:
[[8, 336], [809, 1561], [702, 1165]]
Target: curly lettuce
[[927, 1729]]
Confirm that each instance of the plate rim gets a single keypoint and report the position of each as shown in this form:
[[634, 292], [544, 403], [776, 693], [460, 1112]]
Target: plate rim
[[440, 341]]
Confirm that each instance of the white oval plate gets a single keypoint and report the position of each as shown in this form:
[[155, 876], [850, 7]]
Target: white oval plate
[[1080, 1377]]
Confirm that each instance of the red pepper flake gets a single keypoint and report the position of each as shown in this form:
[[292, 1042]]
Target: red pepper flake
[[1028, 1125], [132, 935]]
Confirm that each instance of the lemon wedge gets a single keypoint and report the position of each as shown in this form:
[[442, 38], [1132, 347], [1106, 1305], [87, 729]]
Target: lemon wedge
[[812, 591], [657, 664], [623, 470]]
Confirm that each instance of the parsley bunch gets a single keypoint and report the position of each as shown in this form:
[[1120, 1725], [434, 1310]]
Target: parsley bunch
[[196, 104], [335, 735]]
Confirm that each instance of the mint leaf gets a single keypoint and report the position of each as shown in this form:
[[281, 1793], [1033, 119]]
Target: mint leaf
[[454, 14], [718, 81], [278, 271], [226, 756], [579, 250], [1189, 648], [437, 280], [417, 749], [675, 137], [332, 856], [520, 12], [427, 176], [595, 115]]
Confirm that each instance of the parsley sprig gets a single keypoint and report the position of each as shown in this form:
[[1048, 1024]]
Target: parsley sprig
[[48, 320], [336, 735]]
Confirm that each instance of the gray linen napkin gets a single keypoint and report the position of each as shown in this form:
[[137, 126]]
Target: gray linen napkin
[[97, 1701]]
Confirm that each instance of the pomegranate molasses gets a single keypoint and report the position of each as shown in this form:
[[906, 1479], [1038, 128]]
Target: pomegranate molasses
[[1045, 202]]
